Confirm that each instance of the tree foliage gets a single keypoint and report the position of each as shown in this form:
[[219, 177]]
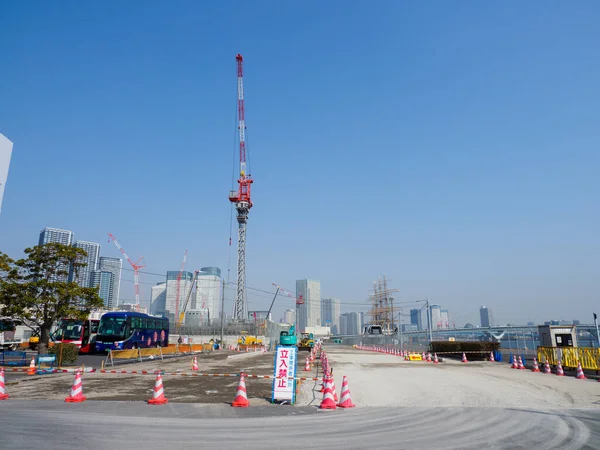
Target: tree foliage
[[36, 289]]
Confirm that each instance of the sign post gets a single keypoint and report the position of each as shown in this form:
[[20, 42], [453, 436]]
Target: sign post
[[284, 388]]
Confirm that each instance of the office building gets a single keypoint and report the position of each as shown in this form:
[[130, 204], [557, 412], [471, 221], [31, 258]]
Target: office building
[[195, 318], [415, 318], [114, 266], [5, 154], [158, 297], [351, 323], [289, 316], [330, 314], [435, 317], [309, 312], [208, 293], [83, 277], [65, 237], [173, 305], [486, 316], [445, 319], [105, 282]]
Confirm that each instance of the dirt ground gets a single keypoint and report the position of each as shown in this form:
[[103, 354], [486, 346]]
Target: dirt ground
[[178, 388]]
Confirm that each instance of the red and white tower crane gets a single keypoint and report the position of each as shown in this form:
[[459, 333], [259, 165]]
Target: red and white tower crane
[[136, 268], [241, 198], [177, 299]]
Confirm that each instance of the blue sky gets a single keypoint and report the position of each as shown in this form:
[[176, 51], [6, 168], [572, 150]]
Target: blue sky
[[452, 146]]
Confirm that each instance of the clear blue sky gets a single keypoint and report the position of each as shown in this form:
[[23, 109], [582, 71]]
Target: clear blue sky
[[453, 146]]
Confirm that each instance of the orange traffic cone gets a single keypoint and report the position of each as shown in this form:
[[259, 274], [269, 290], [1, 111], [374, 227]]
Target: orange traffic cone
[[328, 402], [580, 375], [464, 358], [3, 394], [158, 396], [492, 357], [435, 359], [195, 364], [307, 366], [559, 370], [547, 367], [535, 366], [514, 364], [76, 390], [428, 357], [423, 357], [521, 366], [241, 399], [333, 389], [31, 370], [346, 400]]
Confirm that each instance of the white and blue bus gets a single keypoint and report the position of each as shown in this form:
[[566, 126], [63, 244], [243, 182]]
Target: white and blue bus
[[126, 330]]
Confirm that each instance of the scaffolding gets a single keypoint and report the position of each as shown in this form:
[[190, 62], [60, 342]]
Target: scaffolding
[[382, 306]]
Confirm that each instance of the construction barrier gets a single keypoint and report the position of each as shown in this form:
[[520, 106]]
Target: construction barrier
[[570, 356]]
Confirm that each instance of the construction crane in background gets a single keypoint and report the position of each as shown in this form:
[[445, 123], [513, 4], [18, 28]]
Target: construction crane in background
[[187, 301], [241, 198], [136, 268], [179, 283]]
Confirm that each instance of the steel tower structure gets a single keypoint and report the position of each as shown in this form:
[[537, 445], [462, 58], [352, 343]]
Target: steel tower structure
[[241, 198]]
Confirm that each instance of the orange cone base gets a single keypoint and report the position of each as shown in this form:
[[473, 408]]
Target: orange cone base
[[347, 404], [158, 401], [5, 396], [240, 402], [535, 370], [327, 404], [75, 399]]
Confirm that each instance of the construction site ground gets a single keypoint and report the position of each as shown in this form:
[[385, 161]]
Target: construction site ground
[[178, 388]]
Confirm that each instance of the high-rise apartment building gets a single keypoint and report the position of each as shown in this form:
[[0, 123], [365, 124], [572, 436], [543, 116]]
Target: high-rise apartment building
[[436, 317], [445, 319], [84, 275], [158, 297], [351, 323], [208, 293], [114, 266], [486, 316], [330, 314], [5, 155], [172, 307], [64, 237], [309, 312], [105, 281], [416, 318], [289, 316]]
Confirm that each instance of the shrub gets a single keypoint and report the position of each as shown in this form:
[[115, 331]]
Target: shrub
[[70, 352]]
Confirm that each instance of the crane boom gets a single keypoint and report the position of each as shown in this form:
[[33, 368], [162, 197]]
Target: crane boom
[[136, 268], [177, 298], [187, 300]]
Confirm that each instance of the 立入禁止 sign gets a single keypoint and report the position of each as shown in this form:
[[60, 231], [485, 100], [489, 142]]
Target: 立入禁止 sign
[[284, 388]]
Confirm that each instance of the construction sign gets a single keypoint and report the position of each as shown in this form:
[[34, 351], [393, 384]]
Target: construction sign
[[284, 388]]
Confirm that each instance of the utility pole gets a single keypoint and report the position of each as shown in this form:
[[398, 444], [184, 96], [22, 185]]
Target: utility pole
[[222, 312], [596, 323], [429, 320], [400, 328]]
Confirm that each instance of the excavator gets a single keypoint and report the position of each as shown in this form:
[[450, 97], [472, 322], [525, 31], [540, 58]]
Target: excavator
[[307, 342], [288, 337]]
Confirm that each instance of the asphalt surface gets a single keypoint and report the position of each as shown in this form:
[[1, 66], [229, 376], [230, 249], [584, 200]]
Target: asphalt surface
[[50, 425]]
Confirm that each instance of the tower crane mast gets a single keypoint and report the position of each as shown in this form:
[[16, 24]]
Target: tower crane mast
[[241, 197], [136, 268], [177, 299]]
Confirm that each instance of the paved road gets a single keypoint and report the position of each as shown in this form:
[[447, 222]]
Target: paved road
[[50, 425]]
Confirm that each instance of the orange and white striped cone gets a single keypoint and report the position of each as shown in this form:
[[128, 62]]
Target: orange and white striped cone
[[312, 356], [328, 401], [464, 358], [195, 364], [580, 375], [423, 356], [428, 357], [547, 367], [307, 365], [3, 394], [158, 395], [76, 395], [514, 364], [492, 357], [241, 399], [345, 400], [521, 366], [559, 370], [31, 370], [333, 389], [535, 366], [435, 358]]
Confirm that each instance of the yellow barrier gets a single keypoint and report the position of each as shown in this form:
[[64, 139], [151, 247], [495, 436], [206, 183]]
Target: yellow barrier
[[570, 356], [150, 352]]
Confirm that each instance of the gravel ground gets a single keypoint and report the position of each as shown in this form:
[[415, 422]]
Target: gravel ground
[[126, 387], [377, 379]]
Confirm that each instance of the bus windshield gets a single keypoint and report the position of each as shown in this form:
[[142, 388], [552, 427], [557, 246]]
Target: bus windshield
[[70, 329], [113, 326]]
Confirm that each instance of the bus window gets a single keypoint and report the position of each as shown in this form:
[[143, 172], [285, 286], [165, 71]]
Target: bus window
[[95, 325], [112, 326]]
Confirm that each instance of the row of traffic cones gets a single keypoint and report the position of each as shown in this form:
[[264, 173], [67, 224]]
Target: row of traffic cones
[[518, 364], [330, 399]]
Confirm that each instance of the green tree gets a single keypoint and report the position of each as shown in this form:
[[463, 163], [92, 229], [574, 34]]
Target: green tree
[[35, 289]]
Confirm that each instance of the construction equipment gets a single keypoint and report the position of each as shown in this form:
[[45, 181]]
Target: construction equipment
[[246, 341], [136, 268], [288, 337], [187, 300], [241, 199], [307, 342], [178, 298]]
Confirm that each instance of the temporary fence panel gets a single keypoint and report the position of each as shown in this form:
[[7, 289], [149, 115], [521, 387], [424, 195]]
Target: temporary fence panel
[[10, 358], [570, 356]]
